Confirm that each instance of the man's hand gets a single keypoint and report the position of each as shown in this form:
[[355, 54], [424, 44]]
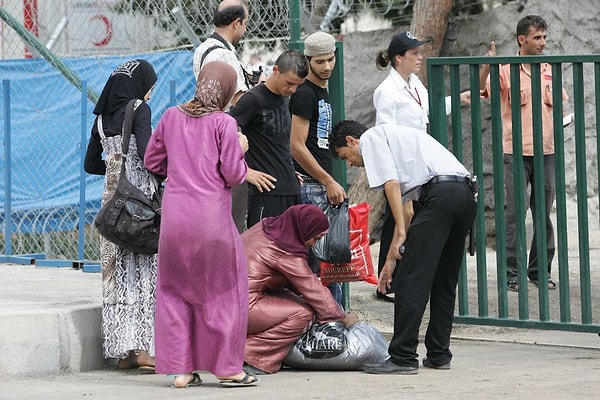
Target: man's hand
[[485, 69], [492, 51], [299, 177], [335, 193], [397, 241], [263, 181], [465, 98], [385, 276]]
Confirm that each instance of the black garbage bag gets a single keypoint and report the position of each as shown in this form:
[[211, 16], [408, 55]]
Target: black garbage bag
[[334, 246]]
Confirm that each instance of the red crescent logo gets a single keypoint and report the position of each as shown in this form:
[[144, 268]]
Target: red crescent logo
[[107, 26]]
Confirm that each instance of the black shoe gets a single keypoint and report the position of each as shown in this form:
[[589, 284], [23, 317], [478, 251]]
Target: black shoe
[[252, 370], [429, 364], [384, 297], [388, 367]]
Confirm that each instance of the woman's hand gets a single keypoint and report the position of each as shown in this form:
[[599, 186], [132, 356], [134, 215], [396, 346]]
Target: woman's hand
[[243, 141], [350, 319]]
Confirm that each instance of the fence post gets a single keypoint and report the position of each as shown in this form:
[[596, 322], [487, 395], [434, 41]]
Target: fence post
[[82, 151], [7, 171]]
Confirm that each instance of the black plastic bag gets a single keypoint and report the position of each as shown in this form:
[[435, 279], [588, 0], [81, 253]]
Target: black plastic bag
[[334, 246], [323, 340]]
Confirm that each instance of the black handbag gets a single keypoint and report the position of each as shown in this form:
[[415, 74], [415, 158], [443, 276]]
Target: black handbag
[[130, 219]]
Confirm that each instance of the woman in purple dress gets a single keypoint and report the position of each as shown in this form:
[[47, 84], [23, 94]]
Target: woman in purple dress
[[202, 288]]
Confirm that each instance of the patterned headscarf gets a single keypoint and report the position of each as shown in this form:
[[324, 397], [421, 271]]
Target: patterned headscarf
[[131, 80], [215, 87], [295, 226]]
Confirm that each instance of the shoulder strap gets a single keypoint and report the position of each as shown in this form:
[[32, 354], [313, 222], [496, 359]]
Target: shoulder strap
[[100, 127], [216, 46], [128, 124]]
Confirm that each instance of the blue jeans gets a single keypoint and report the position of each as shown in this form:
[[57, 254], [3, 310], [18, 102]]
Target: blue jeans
[[315, 193]]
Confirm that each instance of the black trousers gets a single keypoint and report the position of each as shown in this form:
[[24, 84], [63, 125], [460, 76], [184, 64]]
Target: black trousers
[[267, 205], [428, 271], [511, 219], [387, 234], [239, 205]]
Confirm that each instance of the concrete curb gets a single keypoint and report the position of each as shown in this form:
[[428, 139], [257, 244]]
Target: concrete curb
[[51, 341]]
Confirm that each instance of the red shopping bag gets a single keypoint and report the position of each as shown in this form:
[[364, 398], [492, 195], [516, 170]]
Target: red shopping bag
[[360, 267]]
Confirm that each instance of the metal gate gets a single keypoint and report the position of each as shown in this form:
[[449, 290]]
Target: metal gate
[[475, 137]]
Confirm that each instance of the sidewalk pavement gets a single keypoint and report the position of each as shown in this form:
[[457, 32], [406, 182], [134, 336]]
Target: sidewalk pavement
[[50, 349]]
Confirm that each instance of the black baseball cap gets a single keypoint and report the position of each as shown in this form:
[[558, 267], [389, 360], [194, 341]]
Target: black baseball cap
[[404, 41]]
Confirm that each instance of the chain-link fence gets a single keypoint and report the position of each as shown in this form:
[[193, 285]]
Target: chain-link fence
[[46, 120]]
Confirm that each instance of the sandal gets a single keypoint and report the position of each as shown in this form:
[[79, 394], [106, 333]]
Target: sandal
[[551, 284], [195, 380], [513, 286], [247, 380]]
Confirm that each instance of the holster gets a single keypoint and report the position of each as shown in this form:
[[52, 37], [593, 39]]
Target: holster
[[474, 185]]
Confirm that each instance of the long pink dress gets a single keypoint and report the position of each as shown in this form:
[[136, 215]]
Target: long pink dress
[[285, 297], [202, 287]]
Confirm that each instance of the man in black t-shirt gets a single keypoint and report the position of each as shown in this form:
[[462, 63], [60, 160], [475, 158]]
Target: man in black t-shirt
[[263, 116], [311, 125]]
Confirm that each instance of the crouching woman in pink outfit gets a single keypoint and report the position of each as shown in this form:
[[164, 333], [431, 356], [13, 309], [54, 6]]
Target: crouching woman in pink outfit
[[285, 295]]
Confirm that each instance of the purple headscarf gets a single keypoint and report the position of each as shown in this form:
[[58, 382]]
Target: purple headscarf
[[295, 226]]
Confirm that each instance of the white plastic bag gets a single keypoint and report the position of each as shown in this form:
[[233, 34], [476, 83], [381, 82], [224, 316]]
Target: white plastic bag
[[364, 344]]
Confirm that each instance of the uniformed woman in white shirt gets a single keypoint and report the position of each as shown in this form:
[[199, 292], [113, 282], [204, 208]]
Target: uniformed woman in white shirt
[[401, 98]]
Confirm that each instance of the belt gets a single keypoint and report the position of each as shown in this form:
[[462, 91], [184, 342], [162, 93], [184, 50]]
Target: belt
[[309, 179], [448, 178]]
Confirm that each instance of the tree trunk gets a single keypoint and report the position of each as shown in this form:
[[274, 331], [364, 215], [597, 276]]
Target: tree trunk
[[359, 192], [430, 21]]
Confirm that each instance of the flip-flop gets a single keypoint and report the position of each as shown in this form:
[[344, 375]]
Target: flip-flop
[[194, 381], [247, 380], [551, 284]]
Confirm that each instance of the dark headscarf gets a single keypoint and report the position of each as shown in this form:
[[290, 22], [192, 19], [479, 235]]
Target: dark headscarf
[[215, 87], [131, 80], [295, 226]]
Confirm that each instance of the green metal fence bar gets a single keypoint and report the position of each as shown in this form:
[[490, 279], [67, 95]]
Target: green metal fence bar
[[336, 95], [561, 195], [597, 102], [539, 189], [519, 191], [477, 169], [499, 213], [582, 209], [437, 103], [463, 288], [456, 116]]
